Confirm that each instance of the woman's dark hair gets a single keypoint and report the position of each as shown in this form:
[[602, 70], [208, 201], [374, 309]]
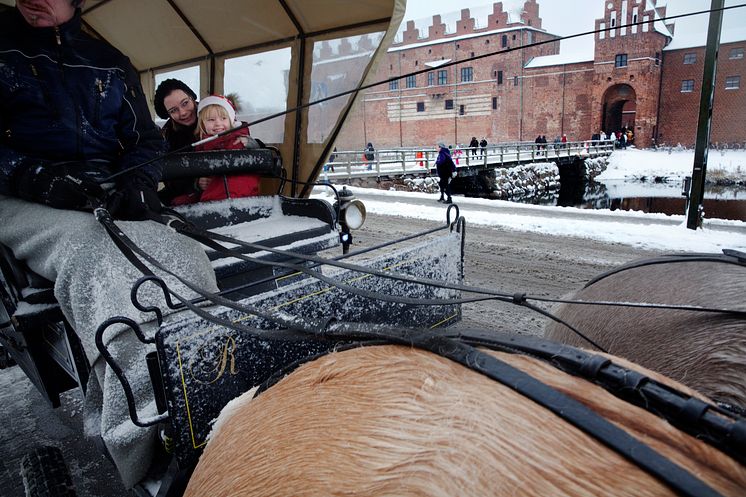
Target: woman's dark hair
[[164, 89]]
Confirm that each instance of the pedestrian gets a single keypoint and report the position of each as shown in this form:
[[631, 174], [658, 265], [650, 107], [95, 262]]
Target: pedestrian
[[332, 158], [483, 146], [370, 155], [446, 170], [95, 122], [456, 154], [564, 141], [474, 145]]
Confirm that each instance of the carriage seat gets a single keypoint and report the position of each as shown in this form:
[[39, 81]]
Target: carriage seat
[[294, 224]]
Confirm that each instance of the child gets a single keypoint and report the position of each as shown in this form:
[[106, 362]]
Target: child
[[215, 115]]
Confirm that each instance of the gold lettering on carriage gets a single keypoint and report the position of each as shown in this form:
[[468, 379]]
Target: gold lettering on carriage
[[211, 360]]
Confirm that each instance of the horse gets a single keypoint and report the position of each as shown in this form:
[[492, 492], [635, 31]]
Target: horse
[[703, 350], [399, 420]]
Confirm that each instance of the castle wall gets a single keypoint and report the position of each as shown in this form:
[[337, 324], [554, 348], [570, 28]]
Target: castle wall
[[631, 81], [680, 105]]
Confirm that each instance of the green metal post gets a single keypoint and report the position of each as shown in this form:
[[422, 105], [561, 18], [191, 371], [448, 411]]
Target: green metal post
[[694, 216]]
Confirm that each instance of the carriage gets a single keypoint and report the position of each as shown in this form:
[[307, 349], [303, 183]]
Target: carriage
[[292, 287], [277, 239]]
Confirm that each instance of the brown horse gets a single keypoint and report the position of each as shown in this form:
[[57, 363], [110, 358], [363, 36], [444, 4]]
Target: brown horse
[[393, 420], [705, 351]]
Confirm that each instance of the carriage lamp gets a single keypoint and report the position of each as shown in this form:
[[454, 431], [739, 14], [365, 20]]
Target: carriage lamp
[[351, 217]]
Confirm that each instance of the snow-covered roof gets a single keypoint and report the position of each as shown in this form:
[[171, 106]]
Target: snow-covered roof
[[658, 24], [461, 37], [559, 59], [437, 63], [691, 39]]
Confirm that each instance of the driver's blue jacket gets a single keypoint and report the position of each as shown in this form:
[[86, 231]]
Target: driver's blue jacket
[[65, 96]]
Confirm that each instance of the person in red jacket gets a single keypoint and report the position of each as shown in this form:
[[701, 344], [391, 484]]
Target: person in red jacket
[[216, 115]]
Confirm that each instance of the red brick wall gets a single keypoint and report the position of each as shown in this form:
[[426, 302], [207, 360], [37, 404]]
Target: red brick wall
[[562, 99], [680, 110]]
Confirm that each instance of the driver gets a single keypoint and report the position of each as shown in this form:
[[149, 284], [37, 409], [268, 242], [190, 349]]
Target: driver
[[72, 112]]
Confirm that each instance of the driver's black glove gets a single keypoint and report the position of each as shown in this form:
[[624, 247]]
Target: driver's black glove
[[135, 198], [62, 186]]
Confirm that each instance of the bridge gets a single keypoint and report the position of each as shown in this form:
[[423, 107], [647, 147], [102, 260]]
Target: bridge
[[469, 162]]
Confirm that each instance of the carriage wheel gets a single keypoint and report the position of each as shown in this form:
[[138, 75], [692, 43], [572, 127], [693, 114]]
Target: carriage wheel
[[45, 474]]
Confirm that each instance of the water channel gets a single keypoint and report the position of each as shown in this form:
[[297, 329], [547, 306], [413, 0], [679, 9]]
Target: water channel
[[721, 202]]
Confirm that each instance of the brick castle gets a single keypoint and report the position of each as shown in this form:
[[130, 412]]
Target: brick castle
[[642, 77]]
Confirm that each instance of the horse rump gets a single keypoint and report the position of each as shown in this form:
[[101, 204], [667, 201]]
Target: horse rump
[[393, 420], [703, 350]]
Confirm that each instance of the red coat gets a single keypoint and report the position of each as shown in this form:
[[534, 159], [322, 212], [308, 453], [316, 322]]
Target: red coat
[[238, 185]]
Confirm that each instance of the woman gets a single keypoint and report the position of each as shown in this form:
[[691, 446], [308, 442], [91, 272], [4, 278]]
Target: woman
[[177, 103], [446, 170]]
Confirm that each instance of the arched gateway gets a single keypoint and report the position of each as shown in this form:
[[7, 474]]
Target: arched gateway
[[619, 108]]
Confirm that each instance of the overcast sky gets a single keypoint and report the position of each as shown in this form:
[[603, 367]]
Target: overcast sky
[[563, 17]]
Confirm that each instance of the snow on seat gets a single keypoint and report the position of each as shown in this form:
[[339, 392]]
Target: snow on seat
[[300, 225]]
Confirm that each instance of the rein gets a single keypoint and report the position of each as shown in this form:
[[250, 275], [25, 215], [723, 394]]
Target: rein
[[716, 426], [729, 256]]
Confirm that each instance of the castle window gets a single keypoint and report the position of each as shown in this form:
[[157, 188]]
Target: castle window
[[494, 103], [472, 54], [620, 60], [530, 37], [420, 106], [394, 85], [687, 86], [411, 81], [732, 82], [504, 41], [443, 77], [736, 53], [430, 78], [467, 74], [458, 46], [657, 58], [499, 77], [690, 58], [449, 104], [515, 80], [461, 110]]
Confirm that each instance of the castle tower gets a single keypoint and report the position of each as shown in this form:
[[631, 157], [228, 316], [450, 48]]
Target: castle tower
[[628, 52]]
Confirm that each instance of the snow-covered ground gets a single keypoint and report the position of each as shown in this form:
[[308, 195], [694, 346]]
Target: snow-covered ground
[[672, 164], [652, 231]]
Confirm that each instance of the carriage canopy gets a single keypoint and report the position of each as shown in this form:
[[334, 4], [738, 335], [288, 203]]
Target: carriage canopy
[[274, 55]]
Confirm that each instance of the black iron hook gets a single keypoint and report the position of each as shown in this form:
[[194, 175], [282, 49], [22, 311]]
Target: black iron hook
[[111, 362], [154, 309]]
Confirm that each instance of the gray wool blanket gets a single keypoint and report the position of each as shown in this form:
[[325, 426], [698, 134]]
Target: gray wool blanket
[[92, 282]]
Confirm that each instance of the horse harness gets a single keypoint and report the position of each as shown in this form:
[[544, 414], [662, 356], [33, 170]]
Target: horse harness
[[729, 256], [718, 427]]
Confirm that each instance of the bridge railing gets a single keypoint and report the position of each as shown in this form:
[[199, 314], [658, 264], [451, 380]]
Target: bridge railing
[[400, 161]]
